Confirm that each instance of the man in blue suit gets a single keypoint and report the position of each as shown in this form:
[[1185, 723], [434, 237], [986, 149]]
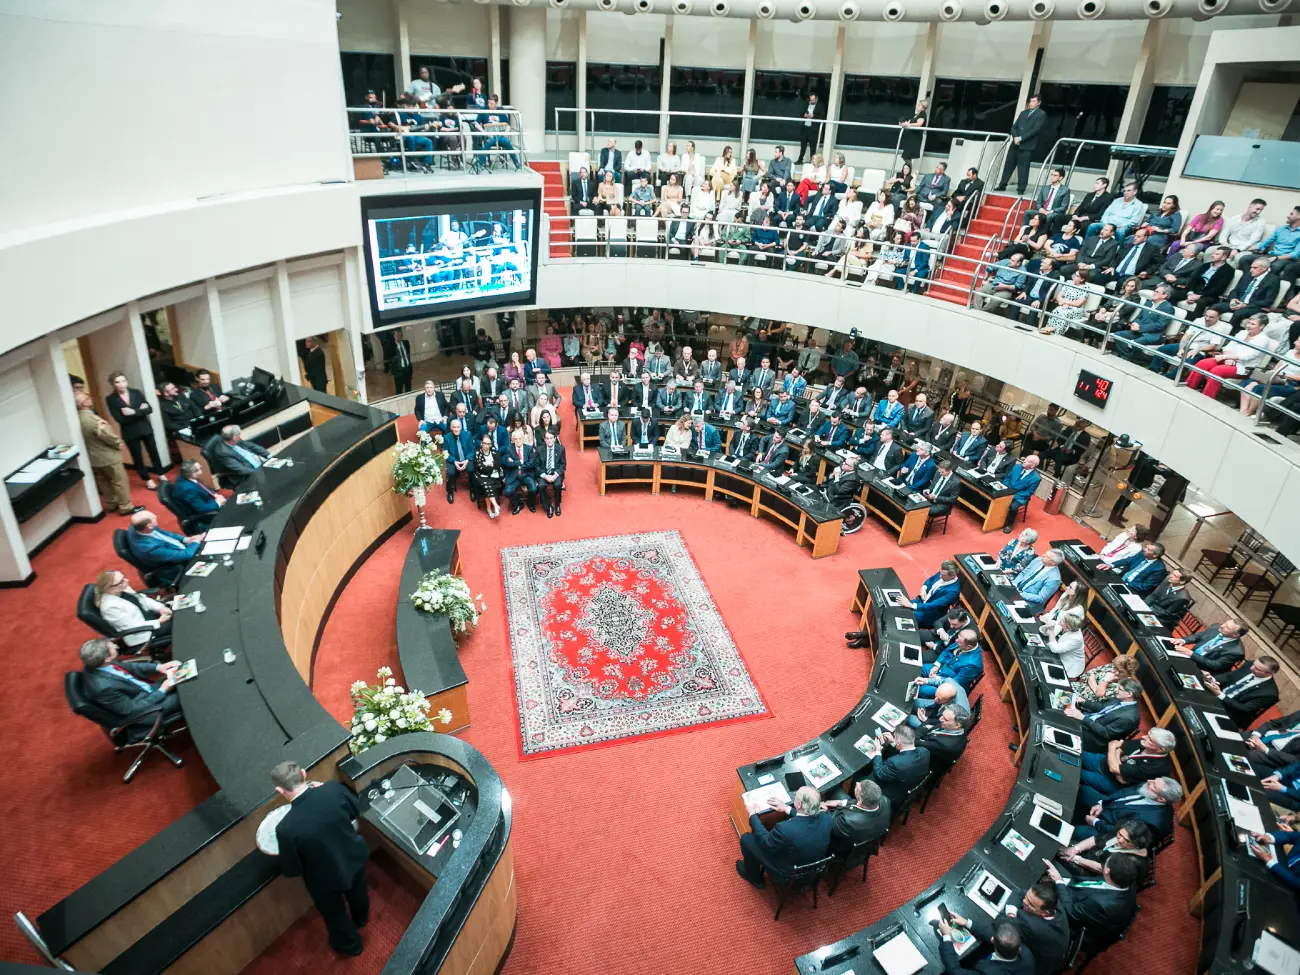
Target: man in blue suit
[[697, 400], [668, 402], [1040, 579], [194, 498], [939, 592], [962, 662], [1144, 571], [704, 437], [493, 428], [803, 838], [889, 411], [459, 444], [780, 411], [970, 444], [519, 461], [587, 396], [1023, 479], [834, 433], [918, 469], [162, 551], [772, 453]]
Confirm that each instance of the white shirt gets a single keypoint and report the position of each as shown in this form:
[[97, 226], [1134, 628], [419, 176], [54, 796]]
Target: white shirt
[[1240, 235], [431, 412], [1246, 357], [1201, 336], [839, 174], [879, 463], [670, 164], [885, 211], [1120, 547], [123, 614], [637, 162], [850, 212]]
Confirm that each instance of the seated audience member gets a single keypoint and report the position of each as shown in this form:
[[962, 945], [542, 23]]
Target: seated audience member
[[431, 409], [1036, 295], [704, 436], [1148, 326], [798, 840], [918, 470], [943, 490], [459, 445], [889, 411], [996, 460], [125, 689], [963, 662], [1044, 930], [1131, 837], [942, 733], [833, 433], [1256, 291], [194, 498], [1093, 204], [1102, 682], [668, 401], [1064, 637], [899, 766], [1038, 582], [1017, 554], [1023, 479], [207, 395], [697, 400], [864, 820], [582, 192], [467, 396], [1010, 956], [164, 552], [587, 396], [780, 410], [1072, 603], [948, 692], [178, 411], [1276, 743], [1279, 851], [1123, 545], [1108, 720], [1125, 763], [938, 593], [233, 457], [1246, 691], [1098, 255], [918, 419], [744, 442], [123, 608], [1281, 248], [943, 436], [772, 453], [1216, 649], [645, 429], [519, 462], [1105, 907], [1144, 571], [539, 387], [970, 445], [1124, 213], [1003, 281], [885, 455], [1248, 350], [1151, 802], [842, 484], [835, 396], [730, 400], [1283, 786], [1138, 258], [550, 474]]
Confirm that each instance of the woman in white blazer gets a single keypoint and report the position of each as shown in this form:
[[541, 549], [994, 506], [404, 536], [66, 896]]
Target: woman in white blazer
[[124, 609], [1065, 639]]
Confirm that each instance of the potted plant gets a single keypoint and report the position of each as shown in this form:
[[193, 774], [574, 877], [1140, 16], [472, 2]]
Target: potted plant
[[417, 466], [450, 596], [387, 710]]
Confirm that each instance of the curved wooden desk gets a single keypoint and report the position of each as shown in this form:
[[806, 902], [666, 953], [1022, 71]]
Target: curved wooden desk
[[198, 897], [815, 523], [887, 684], [425, 644]]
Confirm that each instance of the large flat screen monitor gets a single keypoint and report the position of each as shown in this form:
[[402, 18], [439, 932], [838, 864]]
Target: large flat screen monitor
[[429, 255]]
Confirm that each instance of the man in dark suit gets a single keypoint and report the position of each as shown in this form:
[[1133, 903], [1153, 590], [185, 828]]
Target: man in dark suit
[[1136, 259], [885, 455], [697, 400], [194, 498], [1106, 721], [1104, 907], [431, 410], [668, 401], [1179, 270], [904, 769], [996, 460], [1125, 763], [1097, 253], [1152, 802], [315, 364], [1035, 296], [943, 490], [550, 473], [1091, 207], [399, 363], [178, 411], [645, 428], [744, 442], [1276, 743], [610, 161], [613, 432], [1209, 281], [820, 209], [319, 844], [944, 434], [1010, 955], [1024, 137], [459, 444], [1256, 291], [861, 821], [491, 385], [1246, 691], [126, 689], [1143, 571], [943, 735], [810, 129], [519, 462], [1044, 929], [465, 394], [588, 396], [1169, 602], [1072, 446], [968, 189], [801, 839], [918, 419], [772, 453], [207, 395], [1216, 649], [582, 192], [233, 457], [1052, 201], [842, 484]]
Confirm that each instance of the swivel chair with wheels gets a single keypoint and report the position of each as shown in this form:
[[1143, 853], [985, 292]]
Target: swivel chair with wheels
[[153, 578], [147, 731], [190, 524]]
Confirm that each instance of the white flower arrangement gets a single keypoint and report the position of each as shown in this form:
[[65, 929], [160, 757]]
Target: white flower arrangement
[[419, 464], [387, 710], [449, 595]]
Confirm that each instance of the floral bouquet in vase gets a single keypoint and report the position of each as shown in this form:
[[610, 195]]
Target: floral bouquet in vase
[[418, 465], [387, 710], [449, 595]]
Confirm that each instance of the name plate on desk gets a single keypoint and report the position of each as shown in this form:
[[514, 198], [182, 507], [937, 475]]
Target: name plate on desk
[[643, 453], [997, 485]]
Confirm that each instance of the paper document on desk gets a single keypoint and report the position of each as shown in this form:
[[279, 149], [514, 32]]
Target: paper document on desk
[[222, 534], [819, 769], [889, 717], [1275, 956], [1245, 814], [221, 547], [756, 800], [782, 480], [899, 956], [1135, 603], [22, 477]]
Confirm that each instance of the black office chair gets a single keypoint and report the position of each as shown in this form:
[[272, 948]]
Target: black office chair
[[935, 779], [1087, 944], [976, 712], [933, 519], [901, 813], [153, 578], [806, 877], [190, 524], [858, 853], [139, 733], [88, 612]]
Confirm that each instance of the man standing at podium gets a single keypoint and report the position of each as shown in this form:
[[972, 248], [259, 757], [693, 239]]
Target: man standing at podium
[[318, 843]]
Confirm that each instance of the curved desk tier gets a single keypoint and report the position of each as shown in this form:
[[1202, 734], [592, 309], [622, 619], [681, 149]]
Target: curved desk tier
[[425, 644], [198, 896], [815, 523]]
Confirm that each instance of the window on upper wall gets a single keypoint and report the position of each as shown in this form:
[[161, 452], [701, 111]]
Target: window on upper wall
[[1080, 112], [710, 91], [623, 86], [561, 92], [1166, 115], [785, 94], [964, 103], [884, 101], [363, 72]]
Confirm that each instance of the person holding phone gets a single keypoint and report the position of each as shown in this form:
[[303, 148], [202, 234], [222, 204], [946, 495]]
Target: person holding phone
[[1279, 851], [1010, 956], [1044, 930]]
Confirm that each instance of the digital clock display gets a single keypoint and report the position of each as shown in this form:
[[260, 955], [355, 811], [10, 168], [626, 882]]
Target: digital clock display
[[1092, 388]]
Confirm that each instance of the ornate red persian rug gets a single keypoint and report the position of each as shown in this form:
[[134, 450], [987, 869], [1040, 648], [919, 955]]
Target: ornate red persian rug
[[616, 638]]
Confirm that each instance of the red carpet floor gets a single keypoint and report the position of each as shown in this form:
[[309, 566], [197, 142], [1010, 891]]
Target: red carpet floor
[[623, 854]]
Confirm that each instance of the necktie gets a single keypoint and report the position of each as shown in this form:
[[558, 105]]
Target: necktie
[[1132, 573], [550, 459], [1250, 290], [1126, 266], [1250, 680], [768, 458], [1050, 197], [401, 351], [938, 488]]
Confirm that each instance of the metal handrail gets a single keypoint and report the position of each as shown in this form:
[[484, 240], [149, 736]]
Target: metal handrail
[[980, 267], [474, 148], [1079, 144]]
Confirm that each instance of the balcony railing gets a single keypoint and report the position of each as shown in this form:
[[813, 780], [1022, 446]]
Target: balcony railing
[[411, 142]]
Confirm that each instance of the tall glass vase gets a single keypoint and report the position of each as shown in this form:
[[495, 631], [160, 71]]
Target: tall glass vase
[[418, 499]]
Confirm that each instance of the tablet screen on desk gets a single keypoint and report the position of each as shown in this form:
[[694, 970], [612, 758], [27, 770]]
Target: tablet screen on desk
[[909, 653], [794, 781], [993, 890]]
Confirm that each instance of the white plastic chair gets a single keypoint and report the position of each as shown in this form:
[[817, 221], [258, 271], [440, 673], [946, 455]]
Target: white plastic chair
[[576, 161], [871, 181]]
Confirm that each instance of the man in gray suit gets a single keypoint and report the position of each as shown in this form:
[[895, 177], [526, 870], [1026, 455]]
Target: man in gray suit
[[1052, 200]]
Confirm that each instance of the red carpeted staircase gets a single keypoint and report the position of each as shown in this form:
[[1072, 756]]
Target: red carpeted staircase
[[553, 197], [954, 281]]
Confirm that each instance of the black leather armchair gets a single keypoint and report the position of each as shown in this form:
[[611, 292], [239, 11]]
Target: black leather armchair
[[156, 646], [147, 731]]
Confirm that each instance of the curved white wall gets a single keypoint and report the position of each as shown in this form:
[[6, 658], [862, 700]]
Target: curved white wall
[[1206, 442]]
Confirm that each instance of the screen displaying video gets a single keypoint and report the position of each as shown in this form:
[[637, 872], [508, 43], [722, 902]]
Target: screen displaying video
[[432, 255]]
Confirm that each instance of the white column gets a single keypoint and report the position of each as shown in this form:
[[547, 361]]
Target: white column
[[143, 378], [581, 81], [665, 83], [836, 94], [216, 322], [282, 310], [747, 104], [356, 313], [403, 45], [50, 371], [929, 60], [14, 564], [528, 72], [494, 49], [1041, 35], [1139, 93]]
